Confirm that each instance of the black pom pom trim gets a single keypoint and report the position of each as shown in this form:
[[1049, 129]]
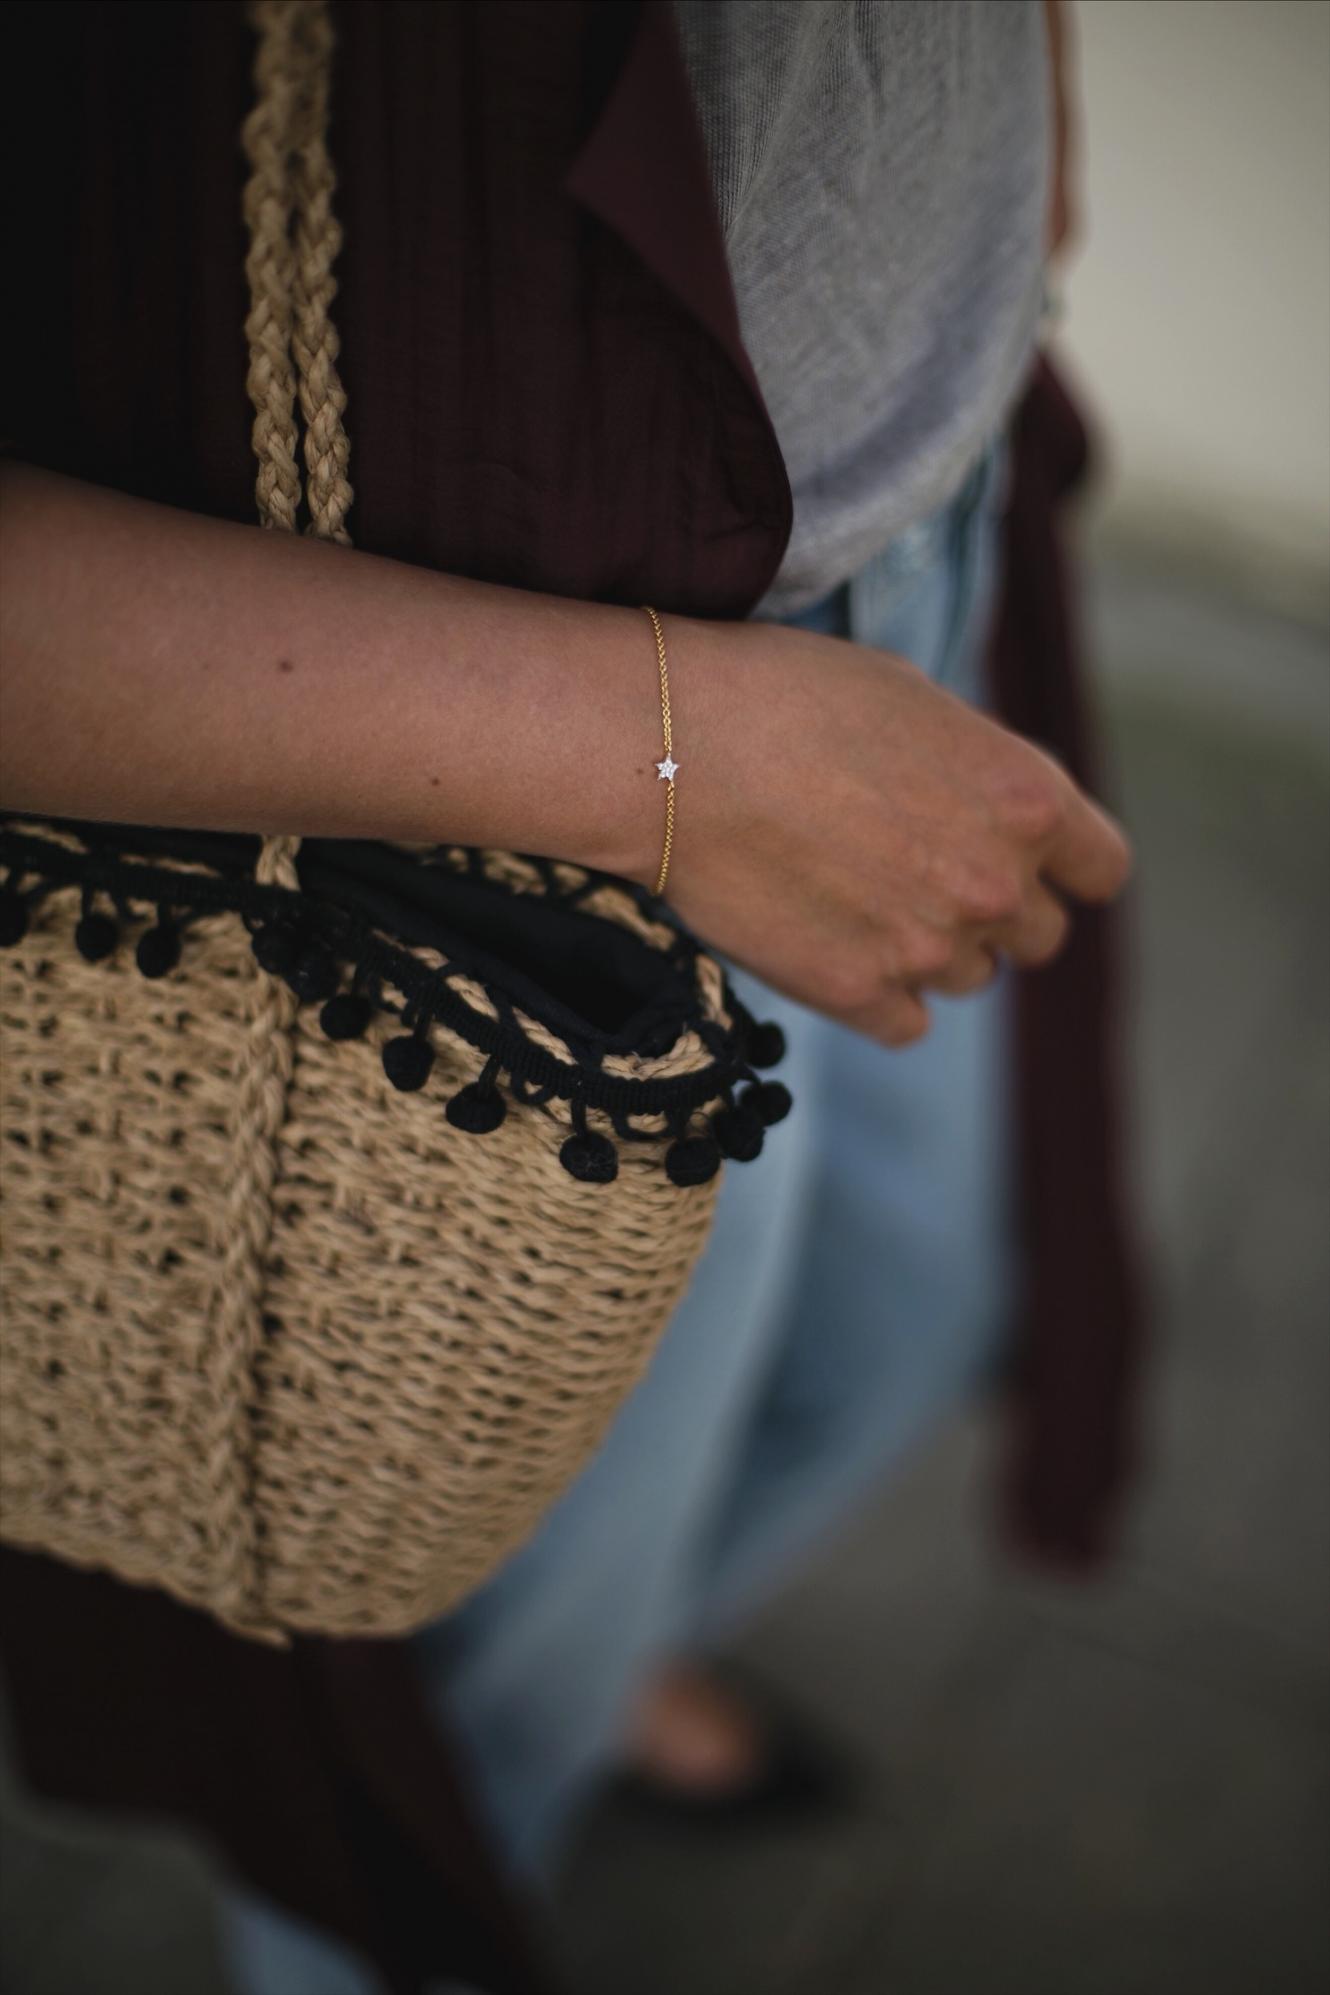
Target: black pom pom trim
[[345, 1016], [739, 1132], [765, 1044], [476, 1109], [313, 975], [407, 1061], [592, 1159], [312, 940], [158, 949], [658, 1041], [13, 918], [771, 1100], [693, 1160], [276, 950], [95, 937]]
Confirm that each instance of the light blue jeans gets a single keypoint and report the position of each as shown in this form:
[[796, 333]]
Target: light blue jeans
[[854, 1287]]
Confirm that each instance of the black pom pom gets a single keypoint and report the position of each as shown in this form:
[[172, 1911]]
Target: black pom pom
[[95, 937], [739, 1133], [476, 1109], [765, 1045], [591, 1158], [693, 1160], [13, 918], [276, 950], [345, 1016], [313, 975], [407, 1061], [158, 949], [658, 1040], [771, 1100]]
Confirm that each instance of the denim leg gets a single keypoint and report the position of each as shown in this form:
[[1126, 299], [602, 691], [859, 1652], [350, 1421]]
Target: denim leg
[[905, 1282], [901, 1297], [268, 1951], [534, 1674]]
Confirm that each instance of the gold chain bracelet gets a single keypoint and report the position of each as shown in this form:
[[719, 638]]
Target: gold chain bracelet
[[669, 768]]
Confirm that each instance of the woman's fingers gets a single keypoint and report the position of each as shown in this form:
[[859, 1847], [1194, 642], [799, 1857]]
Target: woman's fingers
[[899, 1014], [1088, 854], [898, 1018], [1031, 938], [1037, 933], [973, 967]]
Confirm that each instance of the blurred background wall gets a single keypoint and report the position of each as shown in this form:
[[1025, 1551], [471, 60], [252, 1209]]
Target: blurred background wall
[[1200, 305]]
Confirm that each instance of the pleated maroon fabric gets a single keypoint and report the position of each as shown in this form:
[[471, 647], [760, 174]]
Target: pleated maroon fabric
[[540, 346]]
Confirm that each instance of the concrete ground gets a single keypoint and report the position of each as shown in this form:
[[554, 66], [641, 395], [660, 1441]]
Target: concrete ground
[[1113, 1789]]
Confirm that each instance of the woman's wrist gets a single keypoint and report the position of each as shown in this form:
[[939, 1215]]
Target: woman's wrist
[[173, 669], [630, 837]]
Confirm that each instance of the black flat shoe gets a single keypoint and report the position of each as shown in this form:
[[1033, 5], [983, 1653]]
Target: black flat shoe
[[801, 1775]]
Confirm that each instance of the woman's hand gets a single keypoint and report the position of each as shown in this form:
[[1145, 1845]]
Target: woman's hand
[[847, 831], [858, 837]]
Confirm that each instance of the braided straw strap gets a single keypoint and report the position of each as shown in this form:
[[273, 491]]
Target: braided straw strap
[[269, 266], [294, 240], [317, 240]]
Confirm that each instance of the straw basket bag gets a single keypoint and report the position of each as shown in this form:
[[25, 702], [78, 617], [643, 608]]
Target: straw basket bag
[[346, 1189]]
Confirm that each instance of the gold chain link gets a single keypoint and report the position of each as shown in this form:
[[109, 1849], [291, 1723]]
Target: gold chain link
[[667, 765]]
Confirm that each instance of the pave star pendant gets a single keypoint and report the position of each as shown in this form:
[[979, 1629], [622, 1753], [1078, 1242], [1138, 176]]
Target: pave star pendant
[[667, 770]]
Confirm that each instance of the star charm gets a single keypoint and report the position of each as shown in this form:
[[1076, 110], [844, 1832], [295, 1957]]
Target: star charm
[[667, 770]]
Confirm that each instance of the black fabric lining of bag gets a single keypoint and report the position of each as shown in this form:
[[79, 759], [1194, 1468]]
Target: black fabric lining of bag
[[573, 970], [602, 988]]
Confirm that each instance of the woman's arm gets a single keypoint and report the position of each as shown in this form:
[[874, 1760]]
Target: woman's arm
[[845, 829], [160, 667]]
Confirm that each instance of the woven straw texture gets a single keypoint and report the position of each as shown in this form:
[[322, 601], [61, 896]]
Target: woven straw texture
[[276, 1337]]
